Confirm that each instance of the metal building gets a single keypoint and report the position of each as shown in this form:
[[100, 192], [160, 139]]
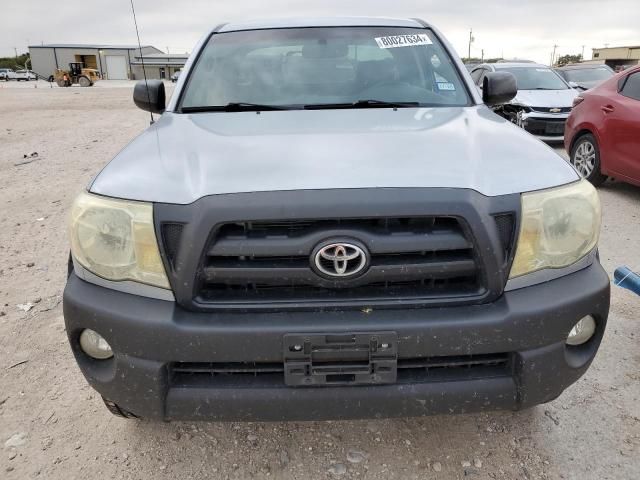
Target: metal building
[[159, 65], [114, 62], [617, 57]]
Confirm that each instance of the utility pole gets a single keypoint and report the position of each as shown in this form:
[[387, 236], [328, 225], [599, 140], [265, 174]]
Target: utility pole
[[16, 52], [553, 55], [470, 42], [582, 54], [168, 52], [482, 58]]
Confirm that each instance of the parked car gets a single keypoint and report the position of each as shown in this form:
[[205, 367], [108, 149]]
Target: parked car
[[543, 102], [515, 60], [585, 76], [25, 75], [7, 74], [337, 226], [603, 130], [175, 76]]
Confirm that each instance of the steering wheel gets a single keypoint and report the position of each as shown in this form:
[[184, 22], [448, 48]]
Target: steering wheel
[[400, 83], [394, 83]]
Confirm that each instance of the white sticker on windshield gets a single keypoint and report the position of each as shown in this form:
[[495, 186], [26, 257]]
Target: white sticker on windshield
[[395, 41], [446, 86]]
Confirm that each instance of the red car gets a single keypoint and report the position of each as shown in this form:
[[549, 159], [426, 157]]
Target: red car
[[602, 134]]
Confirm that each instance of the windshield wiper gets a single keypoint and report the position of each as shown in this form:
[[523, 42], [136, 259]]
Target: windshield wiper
[[233, 107], [362, 104]]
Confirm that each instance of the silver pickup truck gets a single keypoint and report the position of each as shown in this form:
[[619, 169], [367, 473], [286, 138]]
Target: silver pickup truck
[[328, 221]]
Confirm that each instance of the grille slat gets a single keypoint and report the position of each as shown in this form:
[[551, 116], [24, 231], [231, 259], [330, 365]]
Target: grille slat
[[277, 275], [249, 262], [548, 109], [270, 246]]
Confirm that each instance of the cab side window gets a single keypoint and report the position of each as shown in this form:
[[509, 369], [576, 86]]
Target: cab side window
[[631, 87]]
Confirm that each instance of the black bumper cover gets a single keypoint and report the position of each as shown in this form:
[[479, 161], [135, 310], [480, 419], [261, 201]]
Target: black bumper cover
[[147, 335]]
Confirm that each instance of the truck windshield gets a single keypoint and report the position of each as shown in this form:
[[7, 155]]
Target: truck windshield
[[323, 67], [536, 78]]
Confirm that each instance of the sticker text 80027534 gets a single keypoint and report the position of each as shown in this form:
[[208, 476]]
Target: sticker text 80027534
[[395, 41]]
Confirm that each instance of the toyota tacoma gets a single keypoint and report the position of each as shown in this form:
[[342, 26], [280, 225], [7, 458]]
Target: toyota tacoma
[[328, 221]]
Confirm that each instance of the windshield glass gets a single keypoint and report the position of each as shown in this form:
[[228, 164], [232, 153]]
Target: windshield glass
[[536, 78], [588, 74], [297, 67]]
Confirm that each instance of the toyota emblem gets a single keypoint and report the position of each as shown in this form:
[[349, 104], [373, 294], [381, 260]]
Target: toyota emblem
[[340, 259]]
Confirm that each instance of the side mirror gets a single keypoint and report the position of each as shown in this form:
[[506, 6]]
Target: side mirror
[[150, 96], [498, 88]]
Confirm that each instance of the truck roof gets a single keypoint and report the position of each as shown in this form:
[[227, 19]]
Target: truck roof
[[320, 22]]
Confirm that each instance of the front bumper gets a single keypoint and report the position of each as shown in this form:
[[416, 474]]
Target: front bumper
[[148, 336], [548, 127]]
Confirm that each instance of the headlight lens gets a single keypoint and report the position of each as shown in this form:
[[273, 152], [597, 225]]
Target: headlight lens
[[559, 226], [115, 240]]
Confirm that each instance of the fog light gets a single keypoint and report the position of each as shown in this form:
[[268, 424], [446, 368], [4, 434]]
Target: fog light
[[582, 331], [94, 345]]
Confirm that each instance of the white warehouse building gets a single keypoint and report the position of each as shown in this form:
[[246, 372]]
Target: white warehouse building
[[114, 62]]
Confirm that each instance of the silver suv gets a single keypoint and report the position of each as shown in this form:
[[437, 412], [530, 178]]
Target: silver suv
[[328, 221]]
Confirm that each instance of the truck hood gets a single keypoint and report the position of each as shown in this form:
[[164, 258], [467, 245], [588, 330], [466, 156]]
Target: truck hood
[[546, 98], [184, 157]]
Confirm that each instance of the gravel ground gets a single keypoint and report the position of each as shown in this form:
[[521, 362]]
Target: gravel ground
[[52, 425]]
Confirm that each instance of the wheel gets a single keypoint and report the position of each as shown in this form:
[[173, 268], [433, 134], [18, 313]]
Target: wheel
[[60, 82], [116, 410], [84, 81], [585, 157]]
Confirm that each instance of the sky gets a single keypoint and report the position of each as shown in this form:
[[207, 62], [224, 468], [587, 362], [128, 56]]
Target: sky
[[509, 28]]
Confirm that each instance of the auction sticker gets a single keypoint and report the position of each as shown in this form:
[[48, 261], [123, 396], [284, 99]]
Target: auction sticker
[[395, 41], [446, 86]]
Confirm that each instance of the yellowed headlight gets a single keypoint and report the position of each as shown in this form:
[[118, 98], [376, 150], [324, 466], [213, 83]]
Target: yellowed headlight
[[559, 227], [116, 240]]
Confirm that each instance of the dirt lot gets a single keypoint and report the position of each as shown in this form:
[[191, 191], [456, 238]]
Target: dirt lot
[[53, 426]]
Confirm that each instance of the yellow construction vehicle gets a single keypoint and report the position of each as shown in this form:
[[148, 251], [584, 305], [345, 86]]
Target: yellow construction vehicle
[[85, 77]]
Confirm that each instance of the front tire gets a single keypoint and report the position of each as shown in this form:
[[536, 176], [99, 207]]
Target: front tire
[[585, 157], [84, 81]]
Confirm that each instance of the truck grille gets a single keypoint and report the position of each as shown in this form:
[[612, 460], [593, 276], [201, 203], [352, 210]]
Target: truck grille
[[270, 262]]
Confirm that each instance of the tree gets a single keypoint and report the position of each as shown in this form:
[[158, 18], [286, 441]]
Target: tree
[[13, 62], [566, 59]]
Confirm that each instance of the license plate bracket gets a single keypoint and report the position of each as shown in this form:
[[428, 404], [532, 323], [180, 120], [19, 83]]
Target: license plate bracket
[[340, 359]]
